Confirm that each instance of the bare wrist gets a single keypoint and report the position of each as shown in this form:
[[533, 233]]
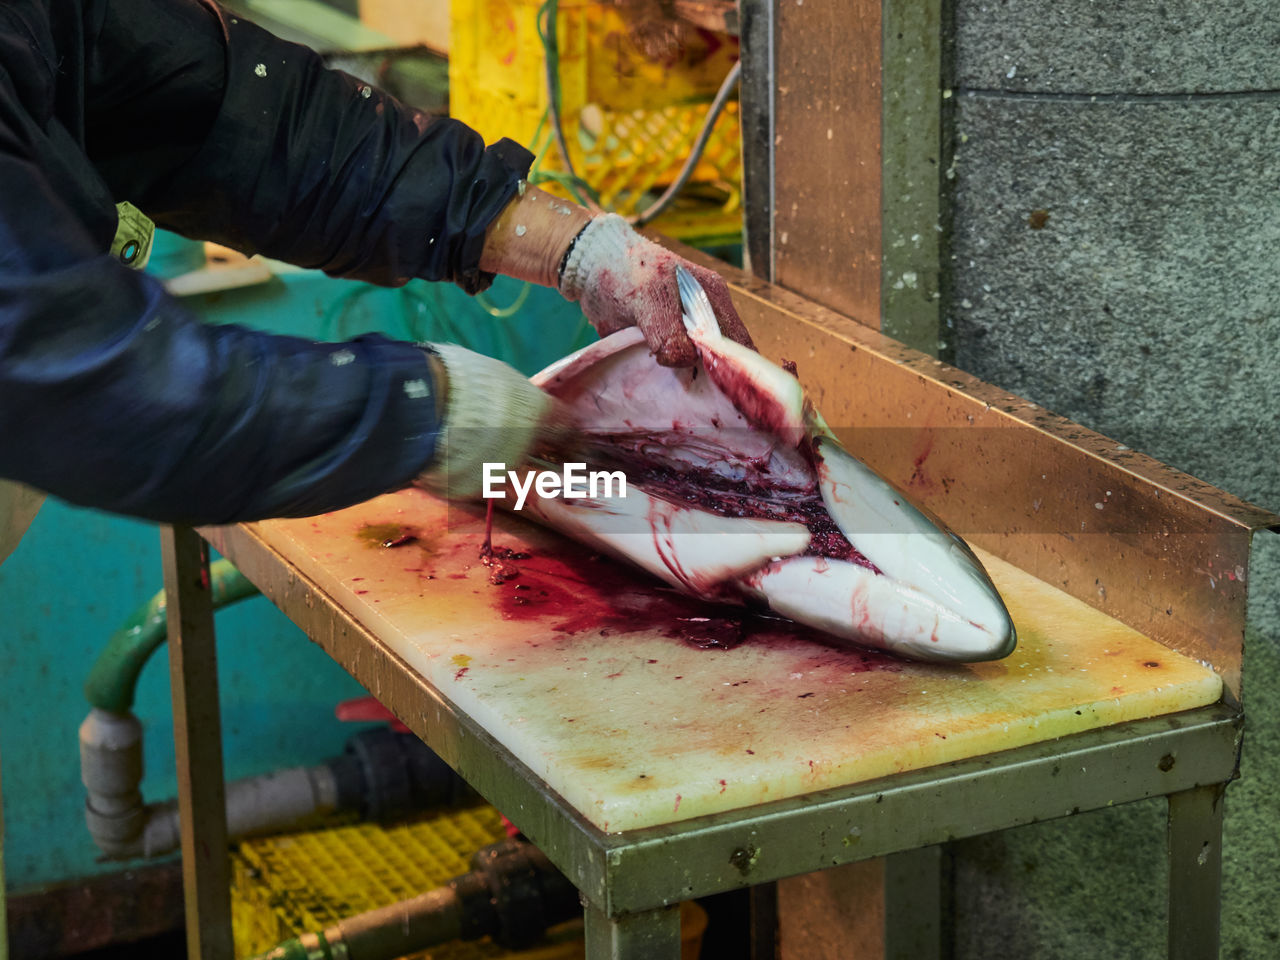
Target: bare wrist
[[529, 239]]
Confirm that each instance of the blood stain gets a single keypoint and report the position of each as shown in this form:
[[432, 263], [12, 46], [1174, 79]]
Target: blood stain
[[740, 498]]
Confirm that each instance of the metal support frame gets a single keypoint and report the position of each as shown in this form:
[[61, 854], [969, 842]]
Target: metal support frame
[[914, 155], [1195, 872], [763, 940], [915, 905], [756, 112], [639, 936], [887, 269], [197, 733], [629, 880]]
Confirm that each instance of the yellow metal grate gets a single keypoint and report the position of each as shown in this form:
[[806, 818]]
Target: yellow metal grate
[[282, 887], [286, 886]]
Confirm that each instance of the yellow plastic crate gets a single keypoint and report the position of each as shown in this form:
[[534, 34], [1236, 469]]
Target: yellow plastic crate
[[629, 122], [282, 887]]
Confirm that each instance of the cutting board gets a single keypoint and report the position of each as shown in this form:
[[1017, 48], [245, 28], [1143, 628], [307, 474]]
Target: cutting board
[[641, 707]]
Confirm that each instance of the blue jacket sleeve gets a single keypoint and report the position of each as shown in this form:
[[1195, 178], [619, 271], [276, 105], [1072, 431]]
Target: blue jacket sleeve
[[113, 396], [219, 130]]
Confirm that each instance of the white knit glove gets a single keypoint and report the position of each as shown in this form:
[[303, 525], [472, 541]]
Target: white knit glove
[[623, 280], [493, 414]]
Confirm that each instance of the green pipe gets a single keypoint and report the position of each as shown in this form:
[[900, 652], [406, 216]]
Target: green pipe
[[114, 677], [314, 947]]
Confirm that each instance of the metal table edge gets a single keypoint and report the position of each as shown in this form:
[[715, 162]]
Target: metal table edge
[[1121, 763]]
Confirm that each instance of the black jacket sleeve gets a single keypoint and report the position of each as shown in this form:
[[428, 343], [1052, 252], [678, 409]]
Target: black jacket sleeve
[[219, 130], [112, 394]]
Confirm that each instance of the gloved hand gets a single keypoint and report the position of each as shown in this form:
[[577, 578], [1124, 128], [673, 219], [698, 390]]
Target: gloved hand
[[492, 414], [622, 279]]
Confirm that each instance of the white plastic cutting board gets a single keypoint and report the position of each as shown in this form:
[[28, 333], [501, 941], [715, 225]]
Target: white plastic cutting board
[[579, 667]]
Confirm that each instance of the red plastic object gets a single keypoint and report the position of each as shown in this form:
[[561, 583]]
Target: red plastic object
[[367, 710]]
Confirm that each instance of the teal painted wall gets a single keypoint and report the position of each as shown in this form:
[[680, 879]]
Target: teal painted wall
[[78, 574]]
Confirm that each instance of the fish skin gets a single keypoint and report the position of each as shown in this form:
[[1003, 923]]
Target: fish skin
[[692, 550], [908, 547], [928, 597], [855, 603]]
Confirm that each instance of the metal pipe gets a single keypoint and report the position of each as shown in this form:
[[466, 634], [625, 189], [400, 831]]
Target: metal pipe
[[430, 918], [124, 827], [695, 153], [270, 803], [383, 775]]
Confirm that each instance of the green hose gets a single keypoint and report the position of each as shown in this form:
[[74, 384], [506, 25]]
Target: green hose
[[297, 950], [114, 677]]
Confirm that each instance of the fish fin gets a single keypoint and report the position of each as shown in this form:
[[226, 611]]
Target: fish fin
[[699, 316], [816, 423]]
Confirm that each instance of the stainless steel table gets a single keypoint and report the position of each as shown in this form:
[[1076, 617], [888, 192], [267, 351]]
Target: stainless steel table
[[632, 881]]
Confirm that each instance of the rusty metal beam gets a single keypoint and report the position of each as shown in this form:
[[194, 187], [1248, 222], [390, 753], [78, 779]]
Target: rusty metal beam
[[915, 220], [826, 168], [197, 732]]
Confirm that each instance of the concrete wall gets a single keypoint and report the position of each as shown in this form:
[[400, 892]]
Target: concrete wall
[[1116, 258]]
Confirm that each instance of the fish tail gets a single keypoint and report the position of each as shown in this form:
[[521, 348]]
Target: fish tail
[[699, 317]]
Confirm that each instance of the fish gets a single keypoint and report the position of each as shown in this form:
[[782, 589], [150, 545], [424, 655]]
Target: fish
[[738, 492]]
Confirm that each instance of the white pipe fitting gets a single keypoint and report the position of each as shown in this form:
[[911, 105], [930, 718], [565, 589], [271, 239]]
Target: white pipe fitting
[[123, 827], [111, 770]]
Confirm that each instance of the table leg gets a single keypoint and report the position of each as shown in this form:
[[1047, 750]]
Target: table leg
[[652, 935], [764, 921], [197, 729], [1195, 872], [913, 904]]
